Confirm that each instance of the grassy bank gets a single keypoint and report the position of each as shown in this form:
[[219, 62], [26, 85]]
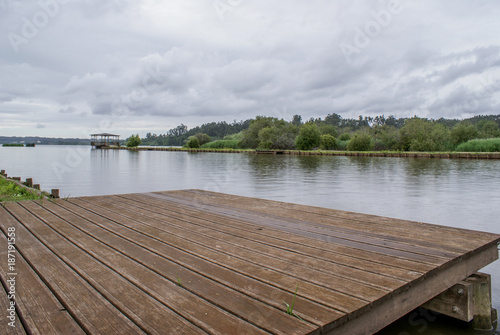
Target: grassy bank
[[221, 144], [398, 154], [480, 145], [12, 145], [12, 191]]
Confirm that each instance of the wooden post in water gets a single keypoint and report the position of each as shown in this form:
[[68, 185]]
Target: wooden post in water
[[55, 193], [29, 182], [483, 313], [2, 172], [36, 186], [469, 301]]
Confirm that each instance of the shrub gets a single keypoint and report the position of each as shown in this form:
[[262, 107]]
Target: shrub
[[202, 138], [133, 141], [345, 137], [360, 142], [342, 145], [193, 142], [221, 144], [309, 137], [483, 145], [328, 142]]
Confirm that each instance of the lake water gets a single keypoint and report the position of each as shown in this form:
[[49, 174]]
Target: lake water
[[458, 193]]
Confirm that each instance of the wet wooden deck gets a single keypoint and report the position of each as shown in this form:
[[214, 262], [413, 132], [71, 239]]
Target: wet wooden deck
[[186, 262]]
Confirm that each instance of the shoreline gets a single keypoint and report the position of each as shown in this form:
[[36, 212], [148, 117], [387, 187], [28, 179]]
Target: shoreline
[[28, 185], [425, 155]]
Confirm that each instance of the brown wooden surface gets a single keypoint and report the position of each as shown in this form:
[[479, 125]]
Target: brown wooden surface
[[192, 261]]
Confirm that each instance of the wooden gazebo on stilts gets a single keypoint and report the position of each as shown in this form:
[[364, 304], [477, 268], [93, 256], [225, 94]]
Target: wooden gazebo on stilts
[[104, 140]]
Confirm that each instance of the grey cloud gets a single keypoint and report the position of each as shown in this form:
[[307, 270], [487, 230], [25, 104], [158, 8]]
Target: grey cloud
[[179, 62]]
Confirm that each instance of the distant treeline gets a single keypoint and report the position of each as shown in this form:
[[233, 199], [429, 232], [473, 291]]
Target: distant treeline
[[179, 135], [334, 133], [43, 140]]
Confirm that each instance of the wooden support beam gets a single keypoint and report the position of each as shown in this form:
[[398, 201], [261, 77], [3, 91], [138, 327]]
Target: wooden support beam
[[456, 302], [469, 300]]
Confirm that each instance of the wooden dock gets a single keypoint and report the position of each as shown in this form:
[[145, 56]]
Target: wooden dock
[[189, 262]]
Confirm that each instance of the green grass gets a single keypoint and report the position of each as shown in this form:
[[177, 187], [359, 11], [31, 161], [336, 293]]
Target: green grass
[[483, 145], [289, 308], [10, 191], [221, 144], [12, 145]]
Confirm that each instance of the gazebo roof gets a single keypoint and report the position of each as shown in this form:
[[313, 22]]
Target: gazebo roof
[[105, 134]]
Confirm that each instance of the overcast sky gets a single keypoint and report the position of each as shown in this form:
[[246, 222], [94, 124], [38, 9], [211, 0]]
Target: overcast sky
[[73, 67]]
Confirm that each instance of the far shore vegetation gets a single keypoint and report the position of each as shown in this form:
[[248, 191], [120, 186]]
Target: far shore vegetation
[[477, 134], [11, 191]]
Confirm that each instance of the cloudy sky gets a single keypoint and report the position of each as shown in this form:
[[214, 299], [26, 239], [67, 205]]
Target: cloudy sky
[[73, 67]]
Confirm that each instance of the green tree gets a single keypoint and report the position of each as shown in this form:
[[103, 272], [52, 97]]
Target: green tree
[[328, 142], [250, 138], [462, 133], [202, 138], [345, 137], [327, 129], [297, 120], [281, 135], [133, 141], [385, 137], [361, 141], [422, 135], [193, 142], [309, 137], [488, 129]]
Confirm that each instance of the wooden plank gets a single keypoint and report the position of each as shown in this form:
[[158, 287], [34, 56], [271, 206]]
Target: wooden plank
[[329, 249], [246, 247], [199, 311], [396, 268], [40, 310], [356, 241], [364, 223], [385, 246], [92, 310], [15, 327], [314, 238], [390, 228], [251, 287], [285, 279]]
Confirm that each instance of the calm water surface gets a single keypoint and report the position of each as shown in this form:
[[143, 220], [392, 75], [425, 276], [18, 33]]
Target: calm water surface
[[458, 193]]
